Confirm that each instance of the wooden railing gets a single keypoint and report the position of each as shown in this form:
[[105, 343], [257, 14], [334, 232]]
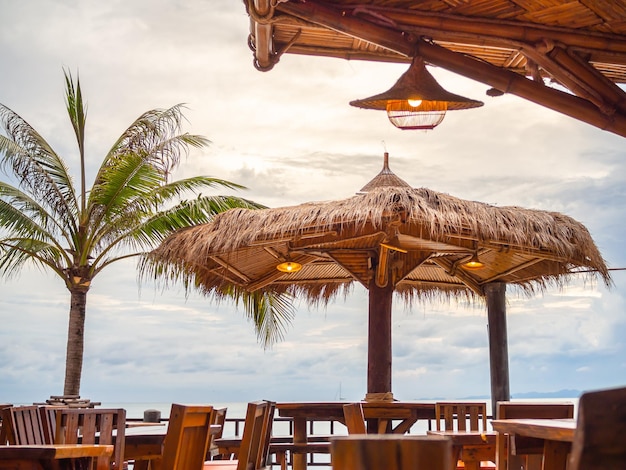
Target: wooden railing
[[317, 430]]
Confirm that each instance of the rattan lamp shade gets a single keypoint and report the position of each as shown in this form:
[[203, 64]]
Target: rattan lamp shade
[[419, 85]]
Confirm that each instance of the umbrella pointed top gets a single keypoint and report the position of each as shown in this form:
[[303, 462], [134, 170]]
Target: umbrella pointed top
[[386, 178]]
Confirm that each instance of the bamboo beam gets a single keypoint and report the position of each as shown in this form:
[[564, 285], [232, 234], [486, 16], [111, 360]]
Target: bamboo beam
[[407, 268], [493, 31], [337, 280], [230, 268], [578, 76], [469, 281], [513, 270], [364, 281], [509, 82], [382, 268], [496, 77], [506, 245], [335, 19], [261, 31]]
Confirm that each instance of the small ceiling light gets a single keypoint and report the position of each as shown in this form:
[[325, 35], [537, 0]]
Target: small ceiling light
[[289, 267], [474, 262], [416, 101]]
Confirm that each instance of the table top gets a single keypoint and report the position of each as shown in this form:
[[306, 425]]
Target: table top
[[467, 437], [550, 429], [146, 442], [334, 410], [53, 451]]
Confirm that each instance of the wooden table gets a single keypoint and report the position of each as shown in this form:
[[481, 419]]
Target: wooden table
[[54, 456], [558, 435], [379, 416], [279, 446], [144, 443], [472, 447]]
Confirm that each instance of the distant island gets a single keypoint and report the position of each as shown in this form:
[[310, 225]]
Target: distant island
[[565, 393], [558, 394]]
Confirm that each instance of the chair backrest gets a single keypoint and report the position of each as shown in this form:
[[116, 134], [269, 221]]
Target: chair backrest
[[355, 419], [49, 419], [600, 430], [461, 413], [391, 452], [523, 451], [536, 410], [257, 433], [3, 433], [219, 418], [22, 425], [187, 439], [93, 426]]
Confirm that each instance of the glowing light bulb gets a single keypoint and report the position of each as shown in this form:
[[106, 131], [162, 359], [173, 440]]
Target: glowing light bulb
[[414, 102], [289, 267]]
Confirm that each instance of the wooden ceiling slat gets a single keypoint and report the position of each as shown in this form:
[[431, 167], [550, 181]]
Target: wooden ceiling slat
[[492, 31]]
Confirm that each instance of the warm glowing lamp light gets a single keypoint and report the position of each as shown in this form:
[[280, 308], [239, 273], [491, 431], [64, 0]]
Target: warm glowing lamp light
[[474, 262], [289, 267], [416, 101]]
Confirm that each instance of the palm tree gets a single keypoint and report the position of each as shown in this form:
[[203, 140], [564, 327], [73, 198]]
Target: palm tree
[[131, 207]]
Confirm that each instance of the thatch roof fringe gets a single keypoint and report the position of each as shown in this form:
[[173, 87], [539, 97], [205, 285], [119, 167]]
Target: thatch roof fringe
[[230, 250], [440, 214]]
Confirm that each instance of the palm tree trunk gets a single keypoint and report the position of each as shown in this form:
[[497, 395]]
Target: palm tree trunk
[[75, 341]]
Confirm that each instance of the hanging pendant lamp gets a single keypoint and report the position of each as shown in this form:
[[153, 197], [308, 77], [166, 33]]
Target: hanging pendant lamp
[[416, 101]]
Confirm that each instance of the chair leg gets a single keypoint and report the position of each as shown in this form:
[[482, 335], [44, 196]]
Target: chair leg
[[281, 458]]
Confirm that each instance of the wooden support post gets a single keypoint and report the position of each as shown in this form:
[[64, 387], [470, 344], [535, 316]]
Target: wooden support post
[[498, 343], [379, 338]]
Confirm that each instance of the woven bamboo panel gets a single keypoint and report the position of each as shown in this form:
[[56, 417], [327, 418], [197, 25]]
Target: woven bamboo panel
[[604, 18]]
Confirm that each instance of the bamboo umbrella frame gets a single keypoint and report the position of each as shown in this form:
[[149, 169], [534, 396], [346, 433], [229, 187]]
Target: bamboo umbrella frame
[[390, 238]]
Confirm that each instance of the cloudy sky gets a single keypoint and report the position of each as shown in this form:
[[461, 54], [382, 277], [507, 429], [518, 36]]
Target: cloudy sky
[[290, 136]]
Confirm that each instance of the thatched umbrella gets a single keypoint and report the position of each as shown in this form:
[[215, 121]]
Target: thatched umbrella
[[390, 238]]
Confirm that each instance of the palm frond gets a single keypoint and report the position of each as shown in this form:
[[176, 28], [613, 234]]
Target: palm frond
[[155, 136], [78, 116], [19, 251], [146, 235], [22, 216], [271, 313], [36, 166], [76, 109]]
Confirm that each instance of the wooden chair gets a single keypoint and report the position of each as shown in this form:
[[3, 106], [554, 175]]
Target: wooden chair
[[187, 439], [3, 434], [391, 452], [22, 425], [49, 419], [93, 426], [219, 418], [600, 431], [355, 419], [457, 415], [466, 416], [255, 442], [526, 452]]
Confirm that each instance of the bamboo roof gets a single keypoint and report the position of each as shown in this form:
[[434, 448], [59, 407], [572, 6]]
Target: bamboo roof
[[513, 46], [415, 238]]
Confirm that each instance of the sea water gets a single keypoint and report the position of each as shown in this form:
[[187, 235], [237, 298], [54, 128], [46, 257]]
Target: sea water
[[238, 410]]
